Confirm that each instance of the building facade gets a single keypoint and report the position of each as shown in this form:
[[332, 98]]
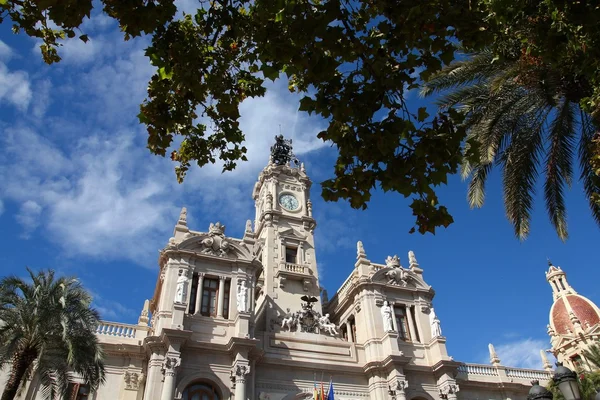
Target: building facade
[[246, 319], [574, 322]]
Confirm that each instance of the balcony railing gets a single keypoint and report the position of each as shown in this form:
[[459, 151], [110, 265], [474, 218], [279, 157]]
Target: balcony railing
[[117, 329]]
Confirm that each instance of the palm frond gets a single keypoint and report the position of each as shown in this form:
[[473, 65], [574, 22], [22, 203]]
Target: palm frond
[[559, 170], [476, 68], [591, 182], [520, 162]]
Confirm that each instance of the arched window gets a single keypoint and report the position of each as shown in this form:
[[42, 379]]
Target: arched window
[[200, 391]]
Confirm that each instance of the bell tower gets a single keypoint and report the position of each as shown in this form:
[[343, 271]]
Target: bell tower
[[284, 226]]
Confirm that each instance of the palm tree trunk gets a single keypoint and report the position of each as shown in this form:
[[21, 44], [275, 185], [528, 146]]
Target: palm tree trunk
[[21, 362]]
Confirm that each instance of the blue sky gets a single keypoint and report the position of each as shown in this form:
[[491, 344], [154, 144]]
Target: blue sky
[[80, 193]]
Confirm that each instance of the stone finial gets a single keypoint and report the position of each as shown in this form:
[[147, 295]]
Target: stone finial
[[392, 262], [143, 319], [249, 226], [545, 362], [412, 260], [302, 169], [494, 359], [360, 250], [182, 217]]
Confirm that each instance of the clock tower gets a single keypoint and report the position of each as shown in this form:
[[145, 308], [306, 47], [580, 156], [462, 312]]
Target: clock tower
[[284, 226]]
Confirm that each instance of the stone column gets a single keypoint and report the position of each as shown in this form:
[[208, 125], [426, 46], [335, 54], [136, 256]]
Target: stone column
[[221, 296], [251, 288], [411, 324], [394, 323], [199, 292], [188, 295], [401, 390], [169, 368], [239, 373], [349, 331]]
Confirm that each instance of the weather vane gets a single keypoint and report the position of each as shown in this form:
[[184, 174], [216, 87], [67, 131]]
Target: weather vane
[[281, 151]]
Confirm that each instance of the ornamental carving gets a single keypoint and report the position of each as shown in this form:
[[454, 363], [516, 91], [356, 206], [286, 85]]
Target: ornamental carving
[[308, 320], [133, 380], [169, 365], [397, 276], [215, 244], [449, 389]]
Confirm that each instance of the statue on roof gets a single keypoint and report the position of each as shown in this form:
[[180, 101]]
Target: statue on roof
[[281, 151]]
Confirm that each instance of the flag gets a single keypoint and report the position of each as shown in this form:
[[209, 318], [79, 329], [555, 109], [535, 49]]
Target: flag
[[315, 394], [330, 393], [322, 391]]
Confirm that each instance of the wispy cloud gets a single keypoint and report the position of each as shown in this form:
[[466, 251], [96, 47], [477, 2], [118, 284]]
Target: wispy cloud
[[521, 353], [97, 191], [109, 309]]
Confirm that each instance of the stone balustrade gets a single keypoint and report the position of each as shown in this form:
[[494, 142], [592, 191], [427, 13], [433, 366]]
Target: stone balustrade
[[478, 369], [528, 374], [299, 269], [116, 329]]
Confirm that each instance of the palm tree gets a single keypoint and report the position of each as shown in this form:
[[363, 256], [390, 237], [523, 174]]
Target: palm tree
[[592, 354], [520, 115], [47, 327]]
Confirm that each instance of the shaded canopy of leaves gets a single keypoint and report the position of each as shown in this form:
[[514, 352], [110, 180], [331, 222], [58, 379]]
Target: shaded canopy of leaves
[[353, 60]]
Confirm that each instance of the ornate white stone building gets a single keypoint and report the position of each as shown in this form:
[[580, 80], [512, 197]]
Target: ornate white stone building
[[246, 319], [574, 322]]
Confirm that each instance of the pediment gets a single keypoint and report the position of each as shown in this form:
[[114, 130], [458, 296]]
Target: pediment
[[291, 233], [399, 277], [216, 246]]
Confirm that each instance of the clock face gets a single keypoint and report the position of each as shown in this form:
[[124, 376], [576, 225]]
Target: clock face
[[288, 201]]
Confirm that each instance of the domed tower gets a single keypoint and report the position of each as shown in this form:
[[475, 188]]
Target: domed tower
[[574, 321]]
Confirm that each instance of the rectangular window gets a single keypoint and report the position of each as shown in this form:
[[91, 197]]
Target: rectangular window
[[577, 361], [226, 299], [291, 255], [210, 292], [402, 323], [415, 327], [193, 294], [78, 391]]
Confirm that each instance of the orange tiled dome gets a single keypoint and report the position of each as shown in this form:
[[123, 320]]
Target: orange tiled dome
[[583, 309]]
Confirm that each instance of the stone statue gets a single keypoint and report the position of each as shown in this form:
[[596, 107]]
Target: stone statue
[[326, 325], [386, 313], [412, 260], [242, 296], [181, 291], [436, 328]]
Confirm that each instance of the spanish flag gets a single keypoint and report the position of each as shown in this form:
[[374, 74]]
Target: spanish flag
[[322, 392]]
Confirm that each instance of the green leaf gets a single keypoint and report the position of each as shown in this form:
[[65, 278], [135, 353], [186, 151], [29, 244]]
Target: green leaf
[[84, 38], [422, 114]]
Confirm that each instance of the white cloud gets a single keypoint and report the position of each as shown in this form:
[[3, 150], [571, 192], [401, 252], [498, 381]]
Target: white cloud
[[15, 87], [522, 353], [102, 194], [6, 53], [74, 51], [109, 309], [29, 217]]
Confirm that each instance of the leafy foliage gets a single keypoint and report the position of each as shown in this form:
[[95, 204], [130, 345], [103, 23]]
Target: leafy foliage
[[48, 328], [354, 62], [519, 117]]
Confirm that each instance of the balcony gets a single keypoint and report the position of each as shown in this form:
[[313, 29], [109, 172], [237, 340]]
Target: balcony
[[296, 272]]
